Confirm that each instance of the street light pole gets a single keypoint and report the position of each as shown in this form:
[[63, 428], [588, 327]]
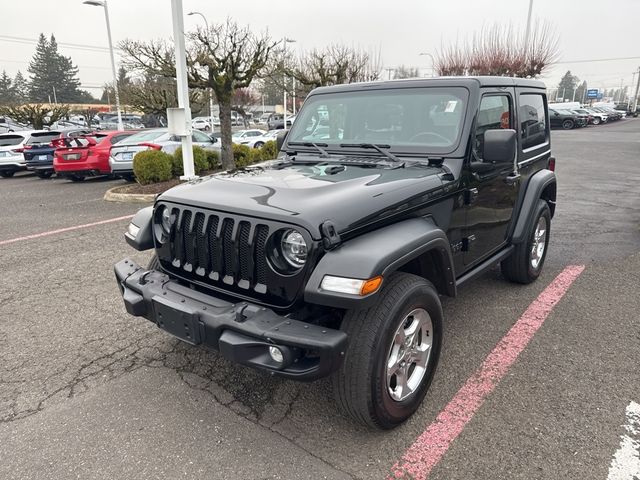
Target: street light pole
[[433, 62], [211, 92], [183, 88], [285, 40], [103, 4], [528, 30]]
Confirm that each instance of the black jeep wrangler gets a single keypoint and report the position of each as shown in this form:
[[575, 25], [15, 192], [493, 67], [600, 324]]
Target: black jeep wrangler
[[331, 259]]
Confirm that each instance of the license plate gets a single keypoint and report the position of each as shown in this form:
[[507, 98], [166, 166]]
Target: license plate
[[4, 154], [127, 155], [43, 157], [177, 320], [72, 156]]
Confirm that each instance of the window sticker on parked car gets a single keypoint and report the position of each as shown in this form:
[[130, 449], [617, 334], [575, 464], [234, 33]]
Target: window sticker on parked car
[[451, 106]]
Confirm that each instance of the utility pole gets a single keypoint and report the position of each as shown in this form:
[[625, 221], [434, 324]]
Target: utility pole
[[635, 96]]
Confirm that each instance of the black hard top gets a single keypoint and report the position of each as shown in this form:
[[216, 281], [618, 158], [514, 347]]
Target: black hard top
[[472, 82]]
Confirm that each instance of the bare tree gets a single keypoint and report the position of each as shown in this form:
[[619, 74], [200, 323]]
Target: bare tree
[[500, 50], [332, 65], [224, 58], [243, 98], [36, 114], [405, 72]]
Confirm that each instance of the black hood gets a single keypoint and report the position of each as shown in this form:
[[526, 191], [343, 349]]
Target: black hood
[[308, 195]]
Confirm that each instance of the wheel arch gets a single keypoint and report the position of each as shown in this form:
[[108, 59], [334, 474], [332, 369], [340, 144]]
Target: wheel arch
[[416, 246], [542, 185]]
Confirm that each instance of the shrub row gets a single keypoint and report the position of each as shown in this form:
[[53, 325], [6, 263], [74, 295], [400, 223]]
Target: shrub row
[[152, 166]]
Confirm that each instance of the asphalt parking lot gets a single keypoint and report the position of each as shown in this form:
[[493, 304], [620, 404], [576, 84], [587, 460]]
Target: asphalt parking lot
[[86, 391]]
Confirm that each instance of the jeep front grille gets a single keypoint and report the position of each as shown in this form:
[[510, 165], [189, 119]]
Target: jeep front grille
[[227, 252]]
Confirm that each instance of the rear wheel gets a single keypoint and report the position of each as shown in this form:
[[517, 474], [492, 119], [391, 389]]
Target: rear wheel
[[258, 145], [392, 353], [129, 177], [568, 124], [596, 120], [77, 178], [44, 174], [7, 173], [525, 263]]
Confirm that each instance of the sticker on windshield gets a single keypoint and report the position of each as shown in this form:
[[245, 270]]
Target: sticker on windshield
[[451, 106]]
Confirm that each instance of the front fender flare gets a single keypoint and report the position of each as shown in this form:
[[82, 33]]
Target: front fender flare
[[143, 240], [536, 186], [380, 252]]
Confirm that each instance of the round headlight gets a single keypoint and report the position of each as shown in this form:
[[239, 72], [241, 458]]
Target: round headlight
[[165, 221], [294, 248]]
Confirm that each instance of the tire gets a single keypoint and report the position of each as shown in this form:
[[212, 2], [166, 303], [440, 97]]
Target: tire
[[568, 124], [77, 178], [129, 177], [154, 263], [596, 120], [258, 145], [44, 174], [362, 386], [526, 262], [7, 173], [207, 128]]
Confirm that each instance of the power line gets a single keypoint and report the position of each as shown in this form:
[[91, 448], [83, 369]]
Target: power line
[[32, 41], [598, 60]]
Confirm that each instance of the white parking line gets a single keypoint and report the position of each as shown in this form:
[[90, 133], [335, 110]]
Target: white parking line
[[625, 464]]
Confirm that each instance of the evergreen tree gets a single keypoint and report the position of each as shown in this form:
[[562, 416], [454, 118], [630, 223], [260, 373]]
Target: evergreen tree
[[581, 92], [7, 93], [20, 88], [50, 70], [567, 85]]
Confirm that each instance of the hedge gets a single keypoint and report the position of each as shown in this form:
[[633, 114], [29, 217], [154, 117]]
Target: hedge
[[245, 156], [152, 166], [200, 161]]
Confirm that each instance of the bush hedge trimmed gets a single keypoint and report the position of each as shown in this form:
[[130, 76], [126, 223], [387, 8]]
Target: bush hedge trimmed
[[152, 166], [245, 156], [200, 162]]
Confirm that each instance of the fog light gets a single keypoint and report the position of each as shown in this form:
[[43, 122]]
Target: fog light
[[276, 354]]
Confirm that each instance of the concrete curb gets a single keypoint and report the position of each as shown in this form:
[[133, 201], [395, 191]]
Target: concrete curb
[[111, 196]]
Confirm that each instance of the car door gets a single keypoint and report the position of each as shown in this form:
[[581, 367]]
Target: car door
[[491, 186]]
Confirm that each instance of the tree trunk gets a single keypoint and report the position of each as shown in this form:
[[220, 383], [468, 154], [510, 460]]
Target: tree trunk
[[227, 160]]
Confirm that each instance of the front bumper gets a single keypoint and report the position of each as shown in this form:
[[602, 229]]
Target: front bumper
[[242, 332]]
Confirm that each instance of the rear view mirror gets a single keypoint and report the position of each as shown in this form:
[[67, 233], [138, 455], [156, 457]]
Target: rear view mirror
[[499, 146], [281, 138]]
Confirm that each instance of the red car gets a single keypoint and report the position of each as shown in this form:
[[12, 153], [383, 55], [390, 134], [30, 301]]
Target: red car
[[87, 155]]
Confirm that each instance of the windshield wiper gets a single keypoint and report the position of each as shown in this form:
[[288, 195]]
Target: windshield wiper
[[379, 148], [317, 146]]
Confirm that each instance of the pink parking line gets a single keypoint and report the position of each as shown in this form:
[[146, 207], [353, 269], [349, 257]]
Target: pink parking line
[[429, 448], [62, 230]]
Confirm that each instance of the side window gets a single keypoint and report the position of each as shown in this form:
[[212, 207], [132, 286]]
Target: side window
[[533, 120], [200, 137], [494, 113]]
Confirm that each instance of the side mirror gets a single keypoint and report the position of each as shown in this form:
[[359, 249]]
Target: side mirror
[[281, 138], [499, 146], [213, 139]]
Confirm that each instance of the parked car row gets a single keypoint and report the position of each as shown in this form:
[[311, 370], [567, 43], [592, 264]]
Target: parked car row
[[80, 152], [572, 116]]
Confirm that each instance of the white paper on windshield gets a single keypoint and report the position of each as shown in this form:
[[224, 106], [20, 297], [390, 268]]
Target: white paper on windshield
[[451, 106]]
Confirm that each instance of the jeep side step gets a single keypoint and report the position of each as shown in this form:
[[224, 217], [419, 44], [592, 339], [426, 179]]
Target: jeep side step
[[484, 266]]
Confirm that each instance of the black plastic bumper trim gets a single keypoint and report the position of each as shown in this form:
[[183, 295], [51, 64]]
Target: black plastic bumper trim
[[242, 332]]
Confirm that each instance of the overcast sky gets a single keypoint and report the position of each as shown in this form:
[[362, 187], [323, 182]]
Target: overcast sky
[[400, 29]]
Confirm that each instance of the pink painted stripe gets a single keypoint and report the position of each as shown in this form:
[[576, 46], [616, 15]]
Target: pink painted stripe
[[433, 443], [62, 230]]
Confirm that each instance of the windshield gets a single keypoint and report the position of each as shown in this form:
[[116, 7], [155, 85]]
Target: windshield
[[407, 119], [146, 136]]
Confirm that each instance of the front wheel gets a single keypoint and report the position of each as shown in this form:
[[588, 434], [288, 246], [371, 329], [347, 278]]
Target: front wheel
[[525, 263], [392, 353], [44, 174], [258, 145], [568, 124], [596, 121]]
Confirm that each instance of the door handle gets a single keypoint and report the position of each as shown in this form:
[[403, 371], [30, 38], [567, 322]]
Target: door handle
[[512, 179]]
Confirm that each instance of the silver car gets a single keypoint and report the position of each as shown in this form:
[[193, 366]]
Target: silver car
[[121, 158], [11, 148]]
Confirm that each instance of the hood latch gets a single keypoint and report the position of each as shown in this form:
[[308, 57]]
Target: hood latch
[[330, 236]]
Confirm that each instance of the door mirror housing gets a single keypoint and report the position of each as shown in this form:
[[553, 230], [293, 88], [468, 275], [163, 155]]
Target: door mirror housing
[[499, 146], [281, 138]]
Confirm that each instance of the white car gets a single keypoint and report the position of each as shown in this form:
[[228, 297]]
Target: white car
[[244, 137], [121, 157], [7, 125], [11, 148], [204, 123], [260, 140]]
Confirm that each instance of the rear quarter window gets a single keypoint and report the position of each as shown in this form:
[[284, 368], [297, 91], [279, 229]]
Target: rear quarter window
[[533, 120]]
